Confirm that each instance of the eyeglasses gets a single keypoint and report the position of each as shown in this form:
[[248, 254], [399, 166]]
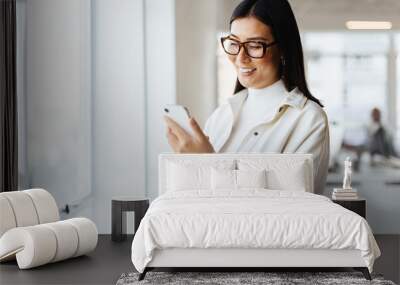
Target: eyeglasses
[[254, 49]]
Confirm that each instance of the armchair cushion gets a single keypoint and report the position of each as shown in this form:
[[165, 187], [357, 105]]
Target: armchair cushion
[[37, 245], [31, 233], [26, 208]]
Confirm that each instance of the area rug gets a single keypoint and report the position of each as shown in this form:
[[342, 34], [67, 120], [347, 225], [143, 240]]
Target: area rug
[[243, 278]]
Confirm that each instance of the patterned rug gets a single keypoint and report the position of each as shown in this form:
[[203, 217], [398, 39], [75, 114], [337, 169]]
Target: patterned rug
[[243, 278]]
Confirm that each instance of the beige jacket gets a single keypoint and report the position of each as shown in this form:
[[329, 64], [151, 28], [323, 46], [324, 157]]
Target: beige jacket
[[299, 125]]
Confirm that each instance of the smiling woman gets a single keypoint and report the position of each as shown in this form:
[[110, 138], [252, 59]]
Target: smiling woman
[[258, 65], [272, 109]]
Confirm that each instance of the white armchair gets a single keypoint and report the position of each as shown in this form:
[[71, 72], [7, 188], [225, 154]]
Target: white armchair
[[31, 233]]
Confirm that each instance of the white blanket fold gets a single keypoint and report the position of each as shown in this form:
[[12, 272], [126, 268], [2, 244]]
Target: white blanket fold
[[250, 218]]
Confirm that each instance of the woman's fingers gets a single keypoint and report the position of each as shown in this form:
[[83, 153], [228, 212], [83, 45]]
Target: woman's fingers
[[176, 128], [198, 132], [182, 142], [173, 140]]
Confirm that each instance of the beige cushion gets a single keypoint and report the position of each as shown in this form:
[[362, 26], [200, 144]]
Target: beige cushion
[[45, 205], [23, 208], [7, 220], [37, 245], [27, 208]]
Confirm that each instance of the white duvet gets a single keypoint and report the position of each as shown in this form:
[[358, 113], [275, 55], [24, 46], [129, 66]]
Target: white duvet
[[250, 219]]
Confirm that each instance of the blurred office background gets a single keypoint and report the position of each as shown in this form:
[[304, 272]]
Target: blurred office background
[[93, 76]]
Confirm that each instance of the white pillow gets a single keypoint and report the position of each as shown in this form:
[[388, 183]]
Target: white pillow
[[281, 175], [191, 174], [237, 179], [223, 179], [251, 178], [293, 180]]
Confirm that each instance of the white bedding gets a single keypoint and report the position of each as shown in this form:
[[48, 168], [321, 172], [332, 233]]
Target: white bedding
[[250, 218]]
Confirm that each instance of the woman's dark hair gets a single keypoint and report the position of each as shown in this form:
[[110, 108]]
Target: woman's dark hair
[[278, 15]]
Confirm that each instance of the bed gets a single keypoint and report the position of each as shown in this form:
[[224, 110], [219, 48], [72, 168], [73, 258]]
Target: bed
[[247, 210]]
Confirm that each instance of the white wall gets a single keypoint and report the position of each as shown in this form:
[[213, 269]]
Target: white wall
[[83, 77], [98, 74], [58, 97], [118, 104], [224, 13], [160, 72], [196, 42], [180, 45]]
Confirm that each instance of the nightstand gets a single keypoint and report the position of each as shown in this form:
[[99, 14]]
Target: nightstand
[[358, 206], [121, 205]]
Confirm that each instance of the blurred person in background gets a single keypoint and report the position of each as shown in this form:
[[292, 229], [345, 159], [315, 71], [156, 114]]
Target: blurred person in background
[[380, 142]]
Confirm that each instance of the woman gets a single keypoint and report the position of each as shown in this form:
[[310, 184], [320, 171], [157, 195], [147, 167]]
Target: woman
[[380, 142], [272, 109]]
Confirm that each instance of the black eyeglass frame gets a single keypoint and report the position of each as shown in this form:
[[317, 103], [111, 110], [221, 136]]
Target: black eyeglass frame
[[264, 45]]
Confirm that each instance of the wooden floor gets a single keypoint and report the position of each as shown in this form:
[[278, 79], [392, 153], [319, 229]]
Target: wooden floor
[[110, 260], [102, 266]]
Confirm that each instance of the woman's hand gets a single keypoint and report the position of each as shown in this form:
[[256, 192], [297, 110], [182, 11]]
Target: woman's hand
[[182, 142]]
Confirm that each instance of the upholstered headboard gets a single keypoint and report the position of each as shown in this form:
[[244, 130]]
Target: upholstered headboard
[[282, 165]]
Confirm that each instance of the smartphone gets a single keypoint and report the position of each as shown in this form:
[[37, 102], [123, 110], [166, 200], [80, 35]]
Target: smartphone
[[179, 114]]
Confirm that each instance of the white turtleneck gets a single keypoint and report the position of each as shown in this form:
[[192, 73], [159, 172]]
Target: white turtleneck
[[259, 105]]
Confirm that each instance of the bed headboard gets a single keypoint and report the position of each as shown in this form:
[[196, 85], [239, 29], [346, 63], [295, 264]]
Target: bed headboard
[[287, 162]]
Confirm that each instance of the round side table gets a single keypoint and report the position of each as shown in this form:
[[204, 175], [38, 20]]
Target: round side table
[[119, 206]]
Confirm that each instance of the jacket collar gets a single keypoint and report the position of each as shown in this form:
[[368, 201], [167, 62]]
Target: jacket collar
[[294, 99]]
